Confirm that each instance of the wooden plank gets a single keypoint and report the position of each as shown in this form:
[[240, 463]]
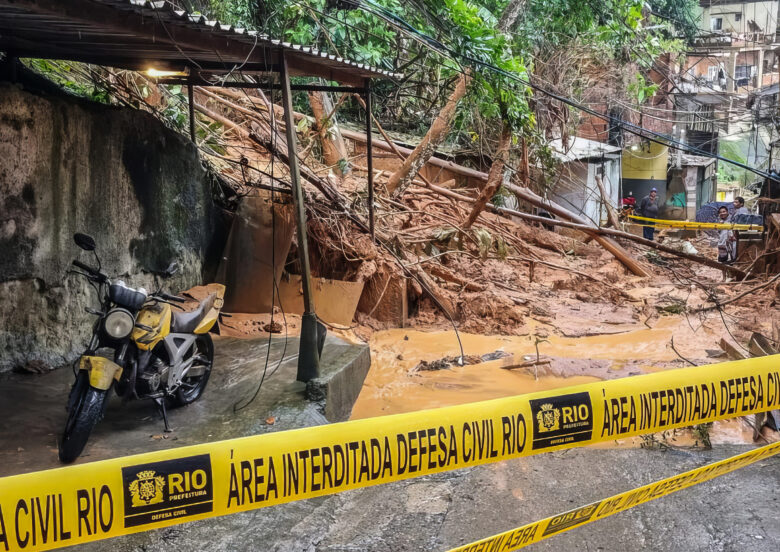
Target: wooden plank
[[730, 350]]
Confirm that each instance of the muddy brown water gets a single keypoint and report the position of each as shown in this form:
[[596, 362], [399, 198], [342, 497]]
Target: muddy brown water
[[394, 386]]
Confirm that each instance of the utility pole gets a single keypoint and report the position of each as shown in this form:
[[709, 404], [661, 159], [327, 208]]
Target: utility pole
[[309, 353]]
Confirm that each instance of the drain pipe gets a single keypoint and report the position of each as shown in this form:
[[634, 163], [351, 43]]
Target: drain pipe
[[310, 345]]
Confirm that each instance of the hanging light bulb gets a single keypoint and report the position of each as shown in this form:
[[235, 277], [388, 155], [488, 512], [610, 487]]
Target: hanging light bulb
[[160, 73]]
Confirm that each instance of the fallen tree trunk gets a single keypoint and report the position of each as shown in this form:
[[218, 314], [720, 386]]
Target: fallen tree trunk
[[600, 232], [610, 245], [589, 229], [333, 148], [387, 144], [495, 176], [391, 145], [435, 161], [445, 274], [611, 216], [401, 178]]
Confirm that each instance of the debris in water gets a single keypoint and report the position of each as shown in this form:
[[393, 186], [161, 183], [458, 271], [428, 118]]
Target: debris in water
[[270, 420], [273, 327], [446, 362], [495, 355]]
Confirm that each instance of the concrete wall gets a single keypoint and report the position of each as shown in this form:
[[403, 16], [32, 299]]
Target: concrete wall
[[644, 169], [754, 17], [68, 165]]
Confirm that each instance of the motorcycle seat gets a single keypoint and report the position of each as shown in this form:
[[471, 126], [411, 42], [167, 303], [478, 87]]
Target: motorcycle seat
[[186, 322]]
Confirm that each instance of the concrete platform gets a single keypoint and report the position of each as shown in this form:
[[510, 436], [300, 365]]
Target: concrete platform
[[32, 408]]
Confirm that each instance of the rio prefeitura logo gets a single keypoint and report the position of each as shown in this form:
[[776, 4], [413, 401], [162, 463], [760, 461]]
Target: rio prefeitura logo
[[159, 491]]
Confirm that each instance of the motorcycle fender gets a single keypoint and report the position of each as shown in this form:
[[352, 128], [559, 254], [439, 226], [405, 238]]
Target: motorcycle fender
[[208, 322], [211, 317], [101, 371]]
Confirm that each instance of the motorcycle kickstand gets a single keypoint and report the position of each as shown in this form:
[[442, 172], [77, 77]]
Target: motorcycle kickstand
[[160, 402]]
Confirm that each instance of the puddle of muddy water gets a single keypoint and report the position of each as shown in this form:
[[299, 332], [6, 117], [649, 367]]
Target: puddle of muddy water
[[394, 386]]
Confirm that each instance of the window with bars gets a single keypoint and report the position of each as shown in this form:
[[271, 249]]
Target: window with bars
[[716, 23], [743, 72]]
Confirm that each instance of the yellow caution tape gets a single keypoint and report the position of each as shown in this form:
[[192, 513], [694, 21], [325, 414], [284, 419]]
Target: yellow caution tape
[[688, 225], [534, 532], [87, 502]]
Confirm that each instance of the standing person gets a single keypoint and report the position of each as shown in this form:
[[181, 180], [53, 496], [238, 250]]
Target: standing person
[[739, 207], [726, 239], [648, 207]]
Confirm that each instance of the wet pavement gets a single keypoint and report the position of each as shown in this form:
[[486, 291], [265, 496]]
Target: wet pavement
[[734, 513], [32, 407], [737, 512]]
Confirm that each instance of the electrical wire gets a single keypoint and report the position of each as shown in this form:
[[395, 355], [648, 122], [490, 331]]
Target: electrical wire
[[274, 289], [637, 130]]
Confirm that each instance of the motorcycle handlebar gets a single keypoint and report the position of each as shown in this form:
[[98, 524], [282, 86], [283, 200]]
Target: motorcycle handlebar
[[85, 267], [91, 272]]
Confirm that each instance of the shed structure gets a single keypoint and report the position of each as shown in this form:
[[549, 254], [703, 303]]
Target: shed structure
[[582, 161], [142, 35]]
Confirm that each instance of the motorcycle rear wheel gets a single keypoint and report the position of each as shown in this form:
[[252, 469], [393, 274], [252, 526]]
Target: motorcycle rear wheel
[[86, 408], [192, 387]]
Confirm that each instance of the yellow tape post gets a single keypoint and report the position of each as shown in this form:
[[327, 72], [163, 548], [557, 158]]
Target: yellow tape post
[[688, 225], [92, 501], [534, 532]]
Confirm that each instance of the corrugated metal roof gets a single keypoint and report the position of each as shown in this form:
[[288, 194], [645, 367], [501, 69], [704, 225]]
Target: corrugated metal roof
[[136, 34], [581, 148], [696, 160]]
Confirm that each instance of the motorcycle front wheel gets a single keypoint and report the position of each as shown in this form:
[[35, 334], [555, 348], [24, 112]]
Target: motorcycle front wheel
[[194, 382], [85, 409]]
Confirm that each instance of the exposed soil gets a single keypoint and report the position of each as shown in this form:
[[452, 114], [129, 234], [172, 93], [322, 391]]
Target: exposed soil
[[563, 309]]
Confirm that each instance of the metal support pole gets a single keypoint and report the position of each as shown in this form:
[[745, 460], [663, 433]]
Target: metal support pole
[[369, 159], [309, 353], [191, 106]]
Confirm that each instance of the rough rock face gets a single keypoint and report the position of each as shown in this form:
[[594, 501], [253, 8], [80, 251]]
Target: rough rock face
[[118, 174]]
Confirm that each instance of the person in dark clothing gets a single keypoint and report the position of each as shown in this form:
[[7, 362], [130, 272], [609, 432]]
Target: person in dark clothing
[[648, 207]]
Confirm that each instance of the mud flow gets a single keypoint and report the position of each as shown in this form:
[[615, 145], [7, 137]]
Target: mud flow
[[396, 383]]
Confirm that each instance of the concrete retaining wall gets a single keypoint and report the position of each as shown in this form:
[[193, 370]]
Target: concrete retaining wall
[[68, 165]]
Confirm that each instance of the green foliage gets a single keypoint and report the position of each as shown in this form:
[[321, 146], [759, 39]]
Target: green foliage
[[640, 90], [472, 34], [682, 14], [738, 151], [59, 72], [236, 12]]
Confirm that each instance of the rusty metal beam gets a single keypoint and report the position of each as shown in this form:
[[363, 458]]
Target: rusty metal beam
[[191, 109]]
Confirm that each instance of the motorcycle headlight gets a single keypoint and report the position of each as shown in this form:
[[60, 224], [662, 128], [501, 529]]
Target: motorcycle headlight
[[118, 323]]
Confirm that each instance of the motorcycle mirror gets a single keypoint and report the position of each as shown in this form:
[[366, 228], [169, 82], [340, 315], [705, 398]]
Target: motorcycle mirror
[[84, 241], [172, 269]]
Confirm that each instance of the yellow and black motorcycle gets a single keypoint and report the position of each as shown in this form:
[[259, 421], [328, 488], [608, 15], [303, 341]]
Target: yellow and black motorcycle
[[139, 347]]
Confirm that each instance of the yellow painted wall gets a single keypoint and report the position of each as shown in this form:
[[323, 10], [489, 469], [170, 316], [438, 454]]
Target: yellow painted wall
[[644, 165]]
